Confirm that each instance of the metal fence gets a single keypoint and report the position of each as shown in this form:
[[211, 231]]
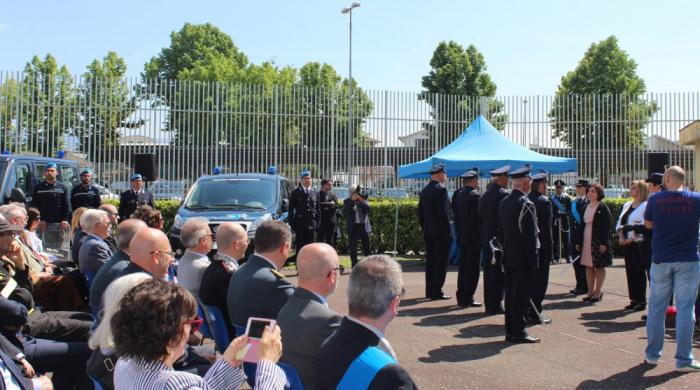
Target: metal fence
[[194, 126]]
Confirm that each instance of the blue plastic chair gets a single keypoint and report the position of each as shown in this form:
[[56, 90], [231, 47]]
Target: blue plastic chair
[[292, 376], [96, 383], [89, 277], [217, 325], [204, 329]]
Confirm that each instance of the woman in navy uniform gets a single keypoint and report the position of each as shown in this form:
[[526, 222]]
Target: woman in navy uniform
[[577, 210]]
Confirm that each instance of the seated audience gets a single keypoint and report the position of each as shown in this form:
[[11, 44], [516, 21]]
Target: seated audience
[[94, 252], [150, 329], [114, 221], [374, 292], [30, 236], [258, 289], [101, 364], [306, 321], [115, 265], [232, 242], [77, 233], [19, 375], [152, 217], [197, 238]]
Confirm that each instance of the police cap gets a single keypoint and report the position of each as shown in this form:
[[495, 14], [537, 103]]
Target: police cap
[[521, 172], [470, 174], [437, 168], [582, 183], [559, 183], [656, 178], [502, 171], [540, 176]]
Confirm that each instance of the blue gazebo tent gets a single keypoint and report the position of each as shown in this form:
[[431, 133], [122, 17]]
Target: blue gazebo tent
[[482, 145]]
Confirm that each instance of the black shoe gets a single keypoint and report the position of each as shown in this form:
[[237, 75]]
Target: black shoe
[[641, 306], [593, 300], [495, 312], [527, 339], [631, 306], [442, 297], [470, 304], [545, 320], [644, 317], [578, 291], [587, 299]]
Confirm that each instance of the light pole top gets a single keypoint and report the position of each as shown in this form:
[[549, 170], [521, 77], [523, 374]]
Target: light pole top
[[350, 8]]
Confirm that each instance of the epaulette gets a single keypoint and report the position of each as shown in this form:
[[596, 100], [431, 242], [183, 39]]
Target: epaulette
[[277, 273]]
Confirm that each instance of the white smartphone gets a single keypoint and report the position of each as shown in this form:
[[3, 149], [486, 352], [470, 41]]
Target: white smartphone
[[254, 330]]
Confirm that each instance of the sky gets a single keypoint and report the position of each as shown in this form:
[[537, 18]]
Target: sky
[[528, 45]]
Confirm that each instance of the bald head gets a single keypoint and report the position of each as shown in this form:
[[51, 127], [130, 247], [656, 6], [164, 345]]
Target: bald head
[[126, 231], [232, 239], [674, 177], [150, 250], [316, 263]]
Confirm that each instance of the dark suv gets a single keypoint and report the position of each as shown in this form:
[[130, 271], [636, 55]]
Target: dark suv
[[25, 172], [246, 198]]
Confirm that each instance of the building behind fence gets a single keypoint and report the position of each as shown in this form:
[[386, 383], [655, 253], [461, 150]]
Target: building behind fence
[[194, 126]]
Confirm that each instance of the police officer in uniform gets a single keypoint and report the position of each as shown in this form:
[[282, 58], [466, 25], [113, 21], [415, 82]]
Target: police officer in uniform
[[518, 220], [303, 211], [561, 209], [543, 208], [465, 209], [491, 237], [85, 194], [131, 199], [51, 197], [577, 225], [434, 218], [328, 207]]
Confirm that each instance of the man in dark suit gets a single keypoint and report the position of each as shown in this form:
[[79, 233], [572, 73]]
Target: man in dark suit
[[561, 228], [85, 194], [231, 243], [131, 199], [94, 252], [360, 337], [303, 211], [518, 220], [465, 209], [543, 209], [306, 320], [577, 210], [258, 289], [491, 237], [328, 219], [356, 210], [434, 219]]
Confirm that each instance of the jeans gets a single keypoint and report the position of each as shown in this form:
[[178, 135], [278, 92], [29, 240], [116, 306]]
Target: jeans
[[681, 278]]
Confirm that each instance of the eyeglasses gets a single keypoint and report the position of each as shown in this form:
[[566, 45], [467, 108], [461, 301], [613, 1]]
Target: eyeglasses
[[402, 293], [339, 268], [195, 323], [171, 254]]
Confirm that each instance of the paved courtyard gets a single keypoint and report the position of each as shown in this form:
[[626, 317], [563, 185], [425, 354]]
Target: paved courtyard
[[588, 346]]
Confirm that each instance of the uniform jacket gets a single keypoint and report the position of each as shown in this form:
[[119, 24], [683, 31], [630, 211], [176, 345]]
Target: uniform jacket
[[305, 323], [343, 347], [327, 212], [85, 197], [434, 212], [543, 208], [53, 201], [488, 214], [577, 228], [303, 209], [129, 201], [363, 208], [257, 290], [518, 220], [214, 287], [561, 217], [465, 209], [94, 253]]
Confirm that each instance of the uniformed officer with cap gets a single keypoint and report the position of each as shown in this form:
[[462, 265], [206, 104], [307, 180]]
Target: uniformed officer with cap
[[51, 197], [131, 199], [465, 209], [85, 194], [577, 225], [518, 220], [543, 209], [491, 238], [561, 228], [434, 219], [655, 182], [303, 211]]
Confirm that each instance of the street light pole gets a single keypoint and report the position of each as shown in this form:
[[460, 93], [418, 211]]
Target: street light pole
[[348, 10]]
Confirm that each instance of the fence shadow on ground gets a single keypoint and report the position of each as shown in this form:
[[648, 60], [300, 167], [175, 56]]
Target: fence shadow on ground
[[465, 352], [631, 379]]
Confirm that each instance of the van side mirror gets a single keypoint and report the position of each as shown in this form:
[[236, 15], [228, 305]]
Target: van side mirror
[[17, 195]]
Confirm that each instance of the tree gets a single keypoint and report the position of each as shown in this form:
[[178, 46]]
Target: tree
[[599, 105], [455, 88]]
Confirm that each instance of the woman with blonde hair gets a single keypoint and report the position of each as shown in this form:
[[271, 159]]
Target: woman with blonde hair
[[631, 235]]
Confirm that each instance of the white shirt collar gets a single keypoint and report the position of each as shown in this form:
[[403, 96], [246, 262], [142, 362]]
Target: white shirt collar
[[268, 260], [383, 342], [227, 258], [374, 329]]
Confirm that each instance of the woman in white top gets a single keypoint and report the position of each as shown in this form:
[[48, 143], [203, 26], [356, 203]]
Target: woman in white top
[[631, 235]]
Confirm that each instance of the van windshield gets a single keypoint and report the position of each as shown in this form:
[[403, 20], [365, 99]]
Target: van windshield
[[233, 193]]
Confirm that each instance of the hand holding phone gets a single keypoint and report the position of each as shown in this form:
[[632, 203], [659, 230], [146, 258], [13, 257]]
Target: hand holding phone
[[254, 331], [271, 344]]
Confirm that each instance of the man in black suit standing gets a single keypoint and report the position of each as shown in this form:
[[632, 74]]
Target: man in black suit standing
[[258, 289], [131, 199], [492, 238], [465, 209], [356, 210], [561, 228], [357, 355], [434, 218], [306, 320], [543, 209], [303, 211], [577, 224], [328, 218], [517, 216]]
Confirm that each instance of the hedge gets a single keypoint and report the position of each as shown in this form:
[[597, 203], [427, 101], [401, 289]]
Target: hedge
[[382, 217]]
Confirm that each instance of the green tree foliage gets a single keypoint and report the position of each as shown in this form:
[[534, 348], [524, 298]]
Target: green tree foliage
[[454, 88], [599, 104]]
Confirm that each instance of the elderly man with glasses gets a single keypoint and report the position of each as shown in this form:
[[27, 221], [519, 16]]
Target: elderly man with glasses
[[197, 238]]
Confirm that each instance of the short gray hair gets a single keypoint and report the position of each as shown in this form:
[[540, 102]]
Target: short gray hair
[[374, 282], [11, 211], [192, 230], [91, 218], [676, 173], [352, 188]]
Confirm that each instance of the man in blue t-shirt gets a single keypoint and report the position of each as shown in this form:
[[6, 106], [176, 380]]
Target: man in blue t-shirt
[[674, 217]]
